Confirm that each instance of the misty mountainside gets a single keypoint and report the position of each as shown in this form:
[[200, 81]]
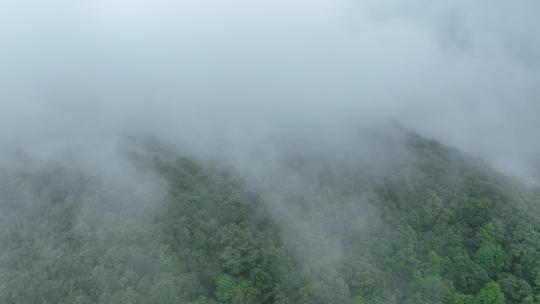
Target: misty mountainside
[[393, 218]]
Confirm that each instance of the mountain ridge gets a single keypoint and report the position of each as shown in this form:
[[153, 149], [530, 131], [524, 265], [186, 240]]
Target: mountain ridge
[[430, 225]]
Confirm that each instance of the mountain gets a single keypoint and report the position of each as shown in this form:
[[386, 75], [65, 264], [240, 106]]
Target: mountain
[[380, 217]]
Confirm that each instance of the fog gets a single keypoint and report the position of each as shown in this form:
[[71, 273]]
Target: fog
[[174, 151], [219, 75]]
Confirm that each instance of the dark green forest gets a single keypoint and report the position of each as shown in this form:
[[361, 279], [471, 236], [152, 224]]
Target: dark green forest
[[433, 225]]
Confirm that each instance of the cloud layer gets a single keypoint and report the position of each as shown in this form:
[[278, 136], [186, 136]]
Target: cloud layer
[[464, 72]]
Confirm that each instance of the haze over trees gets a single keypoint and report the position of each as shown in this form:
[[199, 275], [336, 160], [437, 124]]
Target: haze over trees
[[237, 152], [432, 225]]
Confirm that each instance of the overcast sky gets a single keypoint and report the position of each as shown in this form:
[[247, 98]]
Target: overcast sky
[[465, 72]]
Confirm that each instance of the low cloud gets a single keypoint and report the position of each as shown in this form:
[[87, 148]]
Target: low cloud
[[463, 72]]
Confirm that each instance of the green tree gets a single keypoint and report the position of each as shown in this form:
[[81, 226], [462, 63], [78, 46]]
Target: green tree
[[164, 291], [491, 294]]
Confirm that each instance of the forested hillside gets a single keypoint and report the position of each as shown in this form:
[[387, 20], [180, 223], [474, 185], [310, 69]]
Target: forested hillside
[[428, 225]]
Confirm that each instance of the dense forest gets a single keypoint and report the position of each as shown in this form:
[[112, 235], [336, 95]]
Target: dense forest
[[411, 222]]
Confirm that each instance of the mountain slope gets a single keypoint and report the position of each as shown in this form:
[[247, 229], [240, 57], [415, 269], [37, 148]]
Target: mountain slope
[[394, 218]]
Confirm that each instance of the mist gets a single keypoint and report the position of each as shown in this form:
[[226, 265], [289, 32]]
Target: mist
[[464, 73], [242, 151]]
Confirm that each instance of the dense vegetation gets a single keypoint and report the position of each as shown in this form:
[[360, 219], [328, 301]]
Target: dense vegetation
[[434, 227]]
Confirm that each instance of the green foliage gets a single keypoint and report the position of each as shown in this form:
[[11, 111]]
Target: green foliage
[[329, 290], [490, 294], [231, 290], [460, 298], [437, 227]]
